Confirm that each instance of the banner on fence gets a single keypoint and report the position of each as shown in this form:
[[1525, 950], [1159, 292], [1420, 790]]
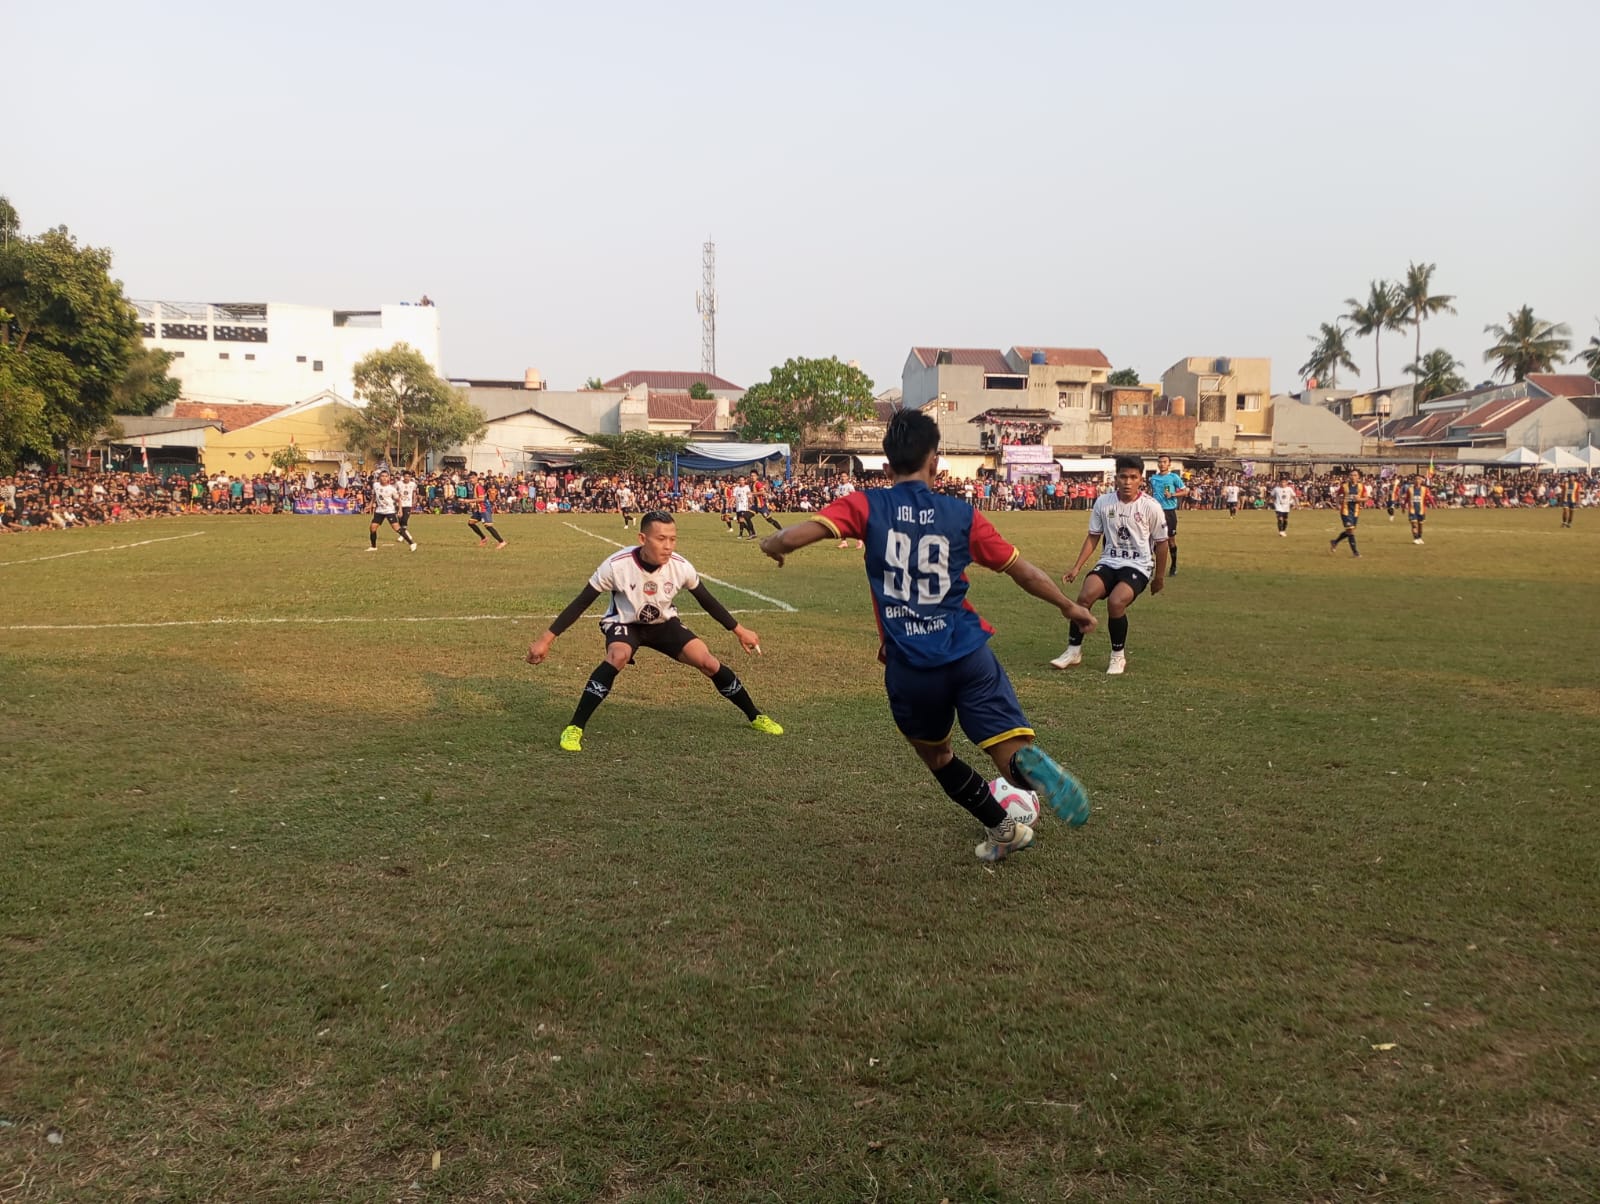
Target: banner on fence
[[326, 505]]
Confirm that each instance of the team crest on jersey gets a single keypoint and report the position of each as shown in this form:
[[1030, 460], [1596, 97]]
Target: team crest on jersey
[[650, 588], [667, 589], [649, 614]]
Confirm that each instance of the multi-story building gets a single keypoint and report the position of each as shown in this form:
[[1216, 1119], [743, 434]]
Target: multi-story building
[[1230, 398], [272, 353], [1058, 388]]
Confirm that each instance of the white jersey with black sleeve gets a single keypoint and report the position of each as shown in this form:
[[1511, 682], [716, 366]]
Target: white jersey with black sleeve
[[385, 497], [1131, 531], [408, 494], [639, 593]]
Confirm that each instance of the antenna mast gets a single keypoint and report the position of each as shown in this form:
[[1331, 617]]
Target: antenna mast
[[705, 303]]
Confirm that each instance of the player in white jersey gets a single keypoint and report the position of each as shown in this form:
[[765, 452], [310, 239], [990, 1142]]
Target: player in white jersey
[[1283, 499], [1133, 528], [386, 509], [844, 489], [625, 504], [1230, 495], [744, 511], [644, 583], [407, 487]]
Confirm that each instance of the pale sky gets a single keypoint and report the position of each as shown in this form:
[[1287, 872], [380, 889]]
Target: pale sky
[[1157, 180]]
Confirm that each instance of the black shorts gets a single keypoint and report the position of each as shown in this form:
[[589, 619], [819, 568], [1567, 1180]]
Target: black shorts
[[405, 515], [1172, 522], [379, 519], [1126, 575], [669, 638], [1348, 519]]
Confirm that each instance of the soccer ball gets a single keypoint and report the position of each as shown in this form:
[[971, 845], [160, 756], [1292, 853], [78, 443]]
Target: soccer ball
[[1021, 805]]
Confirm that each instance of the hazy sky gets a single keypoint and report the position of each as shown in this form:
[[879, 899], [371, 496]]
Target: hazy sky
[[1156, 180]]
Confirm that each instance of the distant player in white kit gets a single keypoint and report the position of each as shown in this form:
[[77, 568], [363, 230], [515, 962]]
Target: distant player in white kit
[[386, 509], [407, 488], [1283, 499], [625, 504], [744, 511], [1133, 527], [1230, 495]]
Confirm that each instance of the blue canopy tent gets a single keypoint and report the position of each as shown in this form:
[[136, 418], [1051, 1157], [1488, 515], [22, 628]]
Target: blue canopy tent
[[725, 457]]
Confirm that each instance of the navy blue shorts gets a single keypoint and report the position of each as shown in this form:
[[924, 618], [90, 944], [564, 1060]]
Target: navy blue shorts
[[926, 703]]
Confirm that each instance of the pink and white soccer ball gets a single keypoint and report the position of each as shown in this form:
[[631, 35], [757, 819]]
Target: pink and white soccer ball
[[1021, 805]]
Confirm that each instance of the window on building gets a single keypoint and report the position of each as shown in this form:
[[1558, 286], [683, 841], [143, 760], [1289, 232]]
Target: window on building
[[299, 359], [222, 355], [1069, 398], [249, 355], [1247, 402], [177, 355], [316, 365]]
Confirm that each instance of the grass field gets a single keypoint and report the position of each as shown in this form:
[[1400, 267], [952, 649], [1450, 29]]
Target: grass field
[[298, 895]]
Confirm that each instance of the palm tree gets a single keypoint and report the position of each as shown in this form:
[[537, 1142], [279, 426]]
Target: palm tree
[[1384, 309], [1590, 355], [1526, 344], [1329, 355], [1436, 375], [1420, 303]]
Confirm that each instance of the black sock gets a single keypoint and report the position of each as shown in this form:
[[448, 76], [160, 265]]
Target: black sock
[[776, 525], [1119, 632], [493, 532], [1075, 640], [476, 530], [731, 688], [1353, 551], [594, 692], [966, 787], [1173, 549], [372, 536]]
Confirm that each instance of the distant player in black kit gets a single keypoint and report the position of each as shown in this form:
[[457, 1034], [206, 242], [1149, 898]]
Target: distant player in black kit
[[1350, 496]]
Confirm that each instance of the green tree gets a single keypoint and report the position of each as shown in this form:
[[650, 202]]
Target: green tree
[[1420, 301], [289, 460], [800, 396], [145, 386], [1590, 356], [1330, 354], [634, 452], [1123, 376], [67, 344], [1384, 309], [10, 223], [410, 410], [1436, 375], [699, 391], [594, 382], [1526, 344]]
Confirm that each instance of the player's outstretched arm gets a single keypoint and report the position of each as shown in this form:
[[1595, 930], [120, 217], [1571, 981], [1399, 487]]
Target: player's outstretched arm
[[748, 640], [540, 648], [792, 538], [1037, 582], [1090, 543]]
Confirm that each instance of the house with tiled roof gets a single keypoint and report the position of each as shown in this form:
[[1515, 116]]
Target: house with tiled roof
[[1058, 389], [677, 382], [1543, 411]]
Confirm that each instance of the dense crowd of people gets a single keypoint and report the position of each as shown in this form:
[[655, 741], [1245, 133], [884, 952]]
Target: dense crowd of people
[[36, 500]]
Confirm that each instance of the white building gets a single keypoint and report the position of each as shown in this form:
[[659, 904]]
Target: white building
[[278, 354]]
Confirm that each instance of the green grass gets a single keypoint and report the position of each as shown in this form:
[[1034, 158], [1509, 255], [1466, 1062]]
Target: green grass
[[285, 908]]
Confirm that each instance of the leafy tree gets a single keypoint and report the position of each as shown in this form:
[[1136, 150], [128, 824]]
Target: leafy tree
[[1123, 376], [1436, 375], [636, 453], [289, 460], [410, 410], [594, 382], [145, 386], [1420, 301], [1590, 356], [68, 343], [1329, 355], [802, 395], [1384, 309], [10, 223], [699, 391], [1526, 344]]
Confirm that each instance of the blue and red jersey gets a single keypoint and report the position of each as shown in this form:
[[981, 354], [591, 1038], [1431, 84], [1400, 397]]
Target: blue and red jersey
[[918, 546]]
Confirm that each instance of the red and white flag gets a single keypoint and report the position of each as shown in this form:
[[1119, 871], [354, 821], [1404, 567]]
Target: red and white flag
[[144, 451]]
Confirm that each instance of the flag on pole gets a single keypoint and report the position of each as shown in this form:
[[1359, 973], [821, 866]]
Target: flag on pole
[[502, 456], [144, 451]]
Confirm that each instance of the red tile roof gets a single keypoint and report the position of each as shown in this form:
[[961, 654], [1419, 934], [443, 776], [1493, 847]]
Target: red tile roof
[[990, 359], [1424, 427], [1565, 384], [673, 406], [232, 415], [672, 380], [1496, 416], [886, 409], [1062, 357]]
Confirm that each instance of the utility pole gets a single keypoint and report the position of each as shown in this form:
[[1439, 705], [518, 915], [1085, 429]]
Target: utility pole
[[705, 303]]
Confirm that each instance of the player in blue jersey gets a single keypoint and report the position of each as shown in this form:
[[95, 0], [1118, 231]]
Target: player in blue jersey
[[1167, 487], [938, 666]]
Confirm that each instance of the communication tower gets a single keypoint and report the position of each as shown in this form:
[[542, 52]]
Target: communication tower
[[705, 303]]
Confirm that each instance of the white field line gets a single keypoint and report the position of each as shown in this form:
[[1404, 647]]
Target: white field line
[[116, 547], [778, 602], [272, 621]]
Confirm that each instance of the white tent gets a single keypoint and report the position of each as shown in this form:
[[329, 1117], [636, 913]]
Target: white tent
[[1519, 455], [1590, 456], [1562, 459]]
